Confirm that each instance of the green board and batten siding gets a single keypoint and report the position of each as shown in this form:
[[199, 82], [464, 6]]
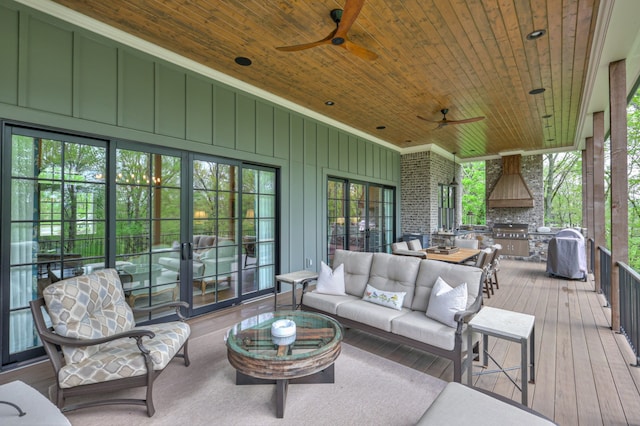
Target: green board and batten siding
[[58, 75]]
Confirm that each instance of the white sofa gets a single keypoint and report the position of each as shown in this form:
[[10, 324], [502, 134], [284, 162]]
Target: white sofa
[[408, 248], [409, 325]]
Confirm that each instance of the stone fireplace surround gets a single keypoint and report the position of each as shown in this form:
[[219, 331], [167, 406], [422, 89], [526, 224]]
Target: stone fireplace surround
[[423, 171]]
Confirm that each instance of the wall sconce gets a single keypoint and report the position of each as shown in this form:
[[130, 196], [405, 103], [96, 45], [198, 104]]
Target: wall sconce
[[251, 214]]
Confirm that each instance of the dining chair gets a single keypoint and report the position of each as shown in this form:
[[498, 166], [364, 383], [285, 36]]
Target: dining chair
[[465, 243]]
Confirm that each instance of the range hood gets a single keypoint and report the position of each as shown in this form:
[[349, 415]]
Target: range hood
[[510, 190]]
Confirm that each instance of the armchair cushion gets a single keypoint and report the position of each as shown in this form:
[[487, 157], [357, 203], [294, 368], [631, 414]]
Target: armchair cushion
[[121, 358], [88, 307]]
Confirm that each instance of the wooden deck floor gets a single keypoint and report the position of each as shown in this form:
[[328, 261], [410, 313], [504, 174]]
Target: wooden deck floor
[[583, 371]]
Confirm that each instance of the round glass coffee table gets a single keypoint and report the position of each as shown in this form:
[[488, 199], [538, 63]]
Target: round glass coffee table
[[307, 356]]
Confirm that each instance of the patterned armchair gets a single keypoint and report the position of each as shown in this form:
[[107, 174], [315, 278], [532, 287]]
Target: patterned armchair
[[102, 349]]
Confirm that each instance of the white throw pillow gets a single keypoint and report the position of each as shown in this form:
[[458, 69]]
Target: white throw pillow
[[331, 282], [390, 299], [445, 301]]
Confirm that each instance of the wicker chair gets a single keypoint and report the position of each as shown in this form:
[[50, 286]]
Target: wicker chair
[[102, 349]]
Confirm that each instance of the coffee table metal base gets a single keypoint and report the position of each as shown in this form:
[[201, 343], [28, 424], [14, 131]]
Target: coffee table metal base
[[282, 385]]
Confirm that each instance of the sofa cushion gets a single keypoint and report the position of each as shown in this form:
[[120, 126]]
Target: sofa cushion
[[88, 307], [370, 314], [401, 245], [389, 299], [415, 245], [445, 301], [458, 404], [453, 274], [395, 273], [417, 326], [121, 358], [326, 302], [357, 266], [331, 281]]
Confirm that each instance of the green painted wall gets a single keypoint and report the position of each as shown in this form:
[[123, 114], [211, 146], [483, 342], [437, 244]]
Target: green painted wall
[[57, 75]]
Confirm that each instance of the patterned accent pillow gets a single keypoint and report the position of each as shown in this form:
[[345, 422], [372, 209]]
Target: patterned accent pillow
[[389, 299], [88, 307], [445, 301], [331, 281]]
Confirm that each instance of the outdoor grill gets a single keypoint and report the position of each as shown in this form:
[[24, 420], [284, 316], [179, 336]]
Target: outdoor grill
[[511, 231]]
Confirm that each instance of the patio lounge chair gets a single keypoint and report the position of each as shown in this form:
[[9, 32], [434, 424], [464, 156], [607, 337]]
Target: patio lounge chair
[[102, 349]]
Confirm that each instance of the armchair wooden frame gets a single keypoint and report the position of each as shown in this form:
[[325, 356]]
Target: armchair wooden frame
[[52, 343]]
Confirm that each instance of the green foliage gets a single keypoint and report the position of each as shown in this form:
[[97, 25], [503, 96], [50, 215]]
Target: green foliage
[[473, 193], [563, 189]]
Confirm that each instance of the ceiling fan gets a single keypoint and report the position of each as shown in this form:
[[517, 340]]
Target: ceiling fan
[[445, 122], [344, 19]]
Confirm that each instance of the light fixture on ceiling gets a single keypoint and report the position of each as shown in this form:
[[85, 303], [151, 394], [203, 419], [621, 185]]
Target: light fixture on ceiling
[[329, 103], [547, 116], [453, 181], [534, 35], [241, 60], [381, 127], [537, 91]]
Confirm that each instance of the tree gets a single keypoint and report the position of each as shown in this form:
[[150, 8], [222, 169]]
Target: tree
[[473, 194], [562, 189]]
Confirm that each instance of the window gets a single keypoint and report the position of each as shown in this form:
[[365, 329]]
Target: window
[[447, 207]]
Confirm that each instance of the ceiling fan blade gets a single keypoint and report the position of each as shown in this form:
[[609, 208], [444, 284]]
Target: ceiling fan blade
[[466, 120], [349, 14], [430, 121], [359, 51], [297, 47]]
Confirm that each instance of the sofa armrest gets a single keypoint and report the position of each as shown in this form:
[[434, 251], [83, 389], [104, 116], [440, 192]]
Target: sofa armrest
[[462, 317], [414, 253]]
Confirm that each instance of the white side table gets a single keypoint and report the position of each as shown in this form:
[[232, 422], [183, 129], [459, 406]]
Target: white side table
[[294, 278], [508, 325]]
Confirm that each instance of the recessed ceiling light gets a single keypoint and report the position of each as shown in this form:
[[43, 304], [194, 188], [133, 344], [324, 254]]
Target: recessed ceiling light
[[381, 127], [241, 60], [329, 103], [537, 91], [533, 35], [547, 116]]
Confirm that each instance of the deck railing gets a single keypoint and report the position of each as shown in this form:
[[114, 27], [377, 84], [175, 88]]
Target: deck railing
[[629, 289], [605, 273], [630, 307]]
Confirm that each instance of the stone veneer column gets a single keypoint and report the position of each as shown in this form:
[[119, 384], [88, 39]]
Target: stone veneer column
[[421, 172], [531, 168]]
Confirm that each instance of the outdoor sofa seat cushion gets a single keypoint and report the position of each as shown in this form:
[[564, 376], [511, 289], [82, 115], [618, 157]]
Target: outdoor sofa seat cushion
[[327, 302], [460, 405], [371, 314], [417, 326], [120, 358]]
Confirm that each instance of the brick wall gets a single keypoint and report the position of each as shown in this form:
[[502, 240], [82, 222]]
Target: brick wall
[[421, 174]]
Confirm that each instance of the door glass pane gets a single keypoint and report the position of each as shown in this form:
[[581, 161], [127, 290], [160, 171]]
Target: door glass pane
[[215, 224], [58, 214], [258, 230], [148, 226]]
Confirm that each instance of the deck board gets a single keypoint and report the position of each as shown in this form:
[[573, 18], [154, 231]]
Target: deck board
[[583, 371]]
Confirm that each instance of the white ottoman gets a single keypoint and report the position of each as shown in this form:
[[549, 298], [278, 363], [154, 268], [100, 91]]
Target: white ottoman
[[460, 405], [39, 410]]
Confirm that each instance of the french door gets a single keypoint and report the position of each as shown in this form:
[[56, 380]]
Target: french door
[[175, 225], [360, 216]]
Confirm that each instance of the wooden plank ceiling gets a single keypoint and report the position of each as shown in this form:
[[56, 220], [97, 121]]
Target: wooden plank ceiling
[[470, 56]]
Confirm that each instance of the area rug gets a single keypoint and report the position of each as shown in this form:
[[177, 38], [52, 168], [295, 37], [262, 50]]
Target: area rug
[[368, 390]]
